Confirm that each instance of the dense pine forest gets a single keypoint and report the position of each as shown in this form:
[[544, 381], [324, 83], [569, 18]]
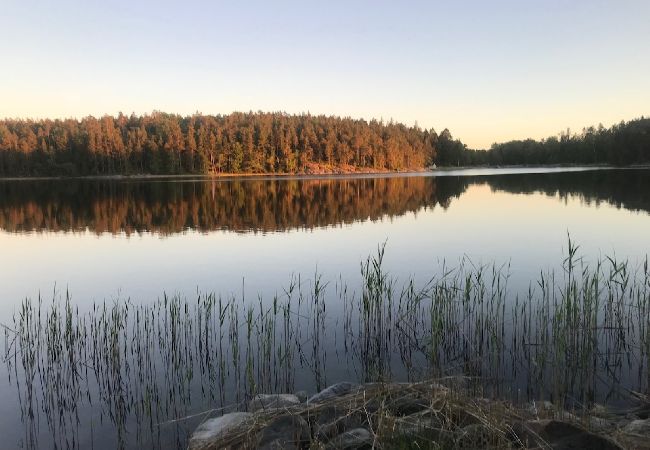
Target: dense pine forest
[[161, 143], [237, 143]]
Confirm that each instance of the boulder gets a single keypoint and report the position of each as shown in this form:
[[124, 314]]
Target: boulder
[[564, 436], [271, 401], [284, 432], [335, 390], [407, 405], [209, 434], [302, 396], [420, 425], [353, 439], [330, 421], [636, 434], [599, 424], [638, 427]]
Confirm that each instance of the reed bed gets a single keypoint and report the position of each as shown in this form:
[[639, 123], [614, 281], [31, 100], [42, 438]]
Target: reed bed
[[579, 335]]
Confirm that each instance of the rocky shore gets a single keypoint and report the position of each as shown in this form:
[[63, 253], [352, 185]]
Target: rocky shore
[[432, 415]]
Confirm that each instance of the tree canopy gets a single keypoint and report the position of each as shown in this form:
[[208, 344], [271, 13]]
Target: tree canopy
[[161, 143], [169, 144]]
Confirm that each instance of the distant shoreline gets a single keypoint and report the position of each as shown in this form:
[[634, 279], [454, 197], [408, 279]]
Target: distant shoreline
[[343, 173]]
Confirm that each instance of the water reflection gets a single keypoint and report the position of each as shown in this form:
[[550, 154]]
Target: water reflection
[[121, 373], [267, 205], [240, 205], [623, 188]]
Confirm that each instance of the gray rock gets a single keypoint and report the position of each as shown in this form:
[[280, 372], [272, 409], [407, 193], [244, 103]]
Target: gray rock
[[271, 401], [636, 434], [407, 405], [302, 396], [284, 432], [600, 425], [422, 425], [208, 434], [330, 421], [352, 439], [327, 425], [638, 427], [566, 436], [599, 410], [335, 390]]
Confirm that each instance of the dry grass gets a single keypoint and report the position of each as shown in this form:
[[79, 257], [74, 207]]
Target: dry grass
[[398, 415]]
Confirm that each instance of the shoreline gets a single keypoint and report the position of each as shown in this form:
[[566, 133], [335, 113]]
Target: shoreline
[[324, 174], [437, 413]]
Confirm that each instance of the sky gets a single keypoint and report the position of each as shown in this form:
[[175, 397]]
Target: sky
[[489, 71]]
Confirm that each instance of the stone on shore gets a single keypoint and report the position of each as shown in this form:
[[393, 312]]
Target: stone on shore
[[636, 434], [348, 416], [564, 436], [272, 401], [209, 434], [335, 390], [352, 439], [284, 432], [302, 396]]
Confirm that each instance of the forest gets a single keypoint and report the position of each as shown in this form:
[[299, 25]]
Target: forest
[[161, 143], [252, 143], [626, 143]]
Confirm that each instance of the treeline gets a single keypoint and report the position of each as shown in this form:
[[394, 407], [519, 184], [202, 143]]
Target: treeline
[[623, 144], [162, 143]]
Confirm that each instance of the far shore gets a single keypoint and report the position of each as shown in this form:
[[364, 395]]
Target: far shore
[[333, 173]]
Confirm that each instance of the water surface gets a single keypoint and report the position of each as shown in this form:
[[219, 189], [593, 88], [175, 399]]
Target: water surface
[[246, 238]]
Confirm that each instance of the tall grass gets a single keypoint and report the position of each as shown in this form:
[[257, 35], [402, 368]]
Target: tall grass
[[577, 336]]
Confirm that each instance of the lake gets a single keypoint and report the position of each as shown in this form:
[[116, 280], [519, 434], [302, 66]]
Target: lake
[[164, 298]]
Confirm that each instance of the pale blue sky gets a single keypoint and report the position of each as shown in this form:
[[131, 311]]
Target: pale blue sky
[[487, 70]]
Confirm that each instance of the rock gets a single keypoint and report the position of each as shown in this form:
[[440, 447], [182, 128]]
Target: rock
[[636, 434], [404, 406], [353, 439], [422, 425], [331, 421], [599, 410], [565, 436], [638, 427], [208, 435], [335, 390], [284, 432], [270, 401], [600, 425], [302, 396]]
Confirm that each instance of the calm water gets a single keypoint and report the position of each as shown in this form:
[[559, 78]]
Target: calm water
[[248, 238]]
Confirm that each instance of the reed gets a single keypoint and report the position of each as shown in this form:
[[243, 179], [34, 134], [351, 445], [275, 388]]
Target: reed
[[577, 336]]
